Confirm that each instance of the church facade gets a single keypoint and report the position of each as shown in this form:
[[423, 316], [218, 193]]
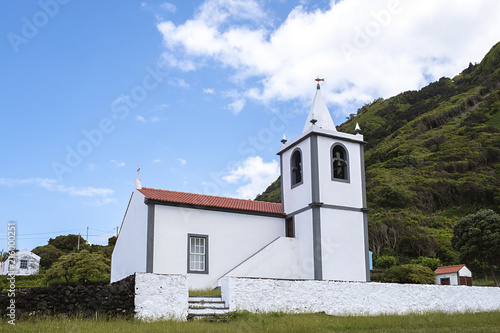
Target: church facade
[[319, 231]]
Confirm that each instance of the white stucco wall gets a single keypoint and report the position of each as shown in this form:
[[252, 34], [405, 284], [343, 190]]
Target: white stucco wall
[[232, 238], [129, 254], [339, 193], [161, 296], [299, 196], [343, 250], [279, 260], [303, 235], [452, 276], [343, 298]]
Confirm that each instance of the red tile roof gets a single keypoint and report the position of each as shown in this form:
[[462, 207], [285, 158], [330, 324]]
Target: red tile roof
[[448, 269], [211, 201]]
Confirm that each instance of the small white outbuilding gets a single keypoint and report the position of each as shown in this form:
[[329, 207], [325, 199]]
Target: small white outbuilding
[[22, 262], [456, 275]]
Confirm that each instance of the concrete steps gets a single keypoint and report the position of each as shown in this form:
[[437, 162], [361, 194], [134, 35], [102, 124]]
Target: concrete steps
[[206, 306]]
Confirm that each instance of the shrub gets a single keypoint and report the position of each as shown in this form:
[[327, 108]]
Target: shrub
[[412, 273], [432, 263], [385, 261]]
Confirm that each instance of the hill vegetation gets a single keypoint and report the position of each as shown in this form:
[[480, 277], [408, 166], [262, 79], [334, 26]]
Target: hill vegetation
[[432, 157]]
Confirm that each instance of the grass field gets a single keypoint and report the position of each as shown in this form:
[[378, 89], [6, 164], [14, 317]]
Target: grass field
[[274, 322]]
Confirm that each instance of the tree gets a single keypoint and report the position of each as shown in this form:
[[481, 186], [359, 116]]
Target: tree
[[477, 238], [112, 241], [83, 266], [91, 265], [62, 268], [67, 243], [414, 274], [48, 254]]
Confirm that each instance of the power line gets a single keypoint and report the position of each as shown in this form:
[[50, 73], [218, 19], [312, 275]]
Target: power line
[[44, 233]]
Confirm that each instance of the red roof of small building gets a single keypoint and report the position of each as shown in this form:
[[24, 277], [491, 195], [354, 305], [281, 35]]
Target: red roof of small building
[[449, 269], [211, 201]]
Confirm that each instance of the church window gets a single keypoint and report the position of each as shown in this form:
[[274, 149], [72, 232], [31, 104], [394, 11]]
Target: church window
[[296, 168], [340, 163], [198, 254], [24, 264]]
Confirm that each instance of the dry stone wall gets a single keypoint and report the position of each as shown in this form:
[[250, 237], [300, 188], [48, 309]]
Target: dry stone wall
[[116, 299]]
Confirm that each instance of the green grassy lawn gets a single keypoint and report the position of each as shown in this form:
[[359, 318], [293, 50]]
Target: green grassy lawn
[[205, 292], [274, 322]]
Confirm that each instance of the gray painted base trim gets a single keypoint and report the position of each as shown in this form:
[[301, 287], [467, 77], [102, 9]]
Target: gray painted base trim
[[365, 210], [217, 209], [318, 260], [150, 237], [352, 209], [315, 205], [367, 254]]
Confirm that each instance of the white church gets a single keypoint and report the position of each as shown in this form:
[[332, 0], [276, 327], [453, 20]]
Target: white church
[[319, 231]]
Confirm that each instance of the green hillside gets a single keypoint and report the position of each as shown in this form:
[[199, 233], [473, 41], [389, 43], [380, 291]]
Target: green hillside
[[432, 156]]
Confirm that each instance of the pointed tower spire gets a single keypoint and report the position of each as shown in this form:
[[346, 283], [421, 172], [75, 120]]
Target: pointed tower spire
[[319, 114]]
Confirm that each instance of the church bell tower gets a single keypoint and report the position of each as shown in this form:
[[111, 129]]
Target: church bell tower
[[324, 198]]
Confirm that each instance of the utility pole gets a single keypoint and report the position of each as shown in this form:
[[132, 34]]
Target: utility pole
[[116, 231], [87, 235], [78, 247]]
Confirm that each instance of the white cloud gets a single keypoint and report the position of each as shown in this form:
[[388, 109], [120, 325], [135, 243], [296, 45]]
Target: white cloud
[[364, 49], [209, 91], [169, 7], [182, 161], [92, 166], [52, 185], [117, 164], [105, 201], [236, 106], [163, 7], [140, 118], [156, 160], [256, 173]]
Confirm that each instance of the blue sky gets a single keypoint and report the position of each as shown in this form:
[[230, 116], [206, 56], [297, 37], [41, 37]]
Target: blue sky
[[198, 93]]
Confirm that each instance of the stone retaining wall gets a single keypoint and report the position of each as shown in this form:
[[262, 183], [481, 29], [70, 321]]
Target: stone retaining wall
[[112, 299]]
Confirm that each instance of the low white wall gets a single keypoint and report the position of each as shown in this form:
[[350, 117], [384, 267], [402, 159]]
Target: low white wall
[[353, 298], [160, 296]]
